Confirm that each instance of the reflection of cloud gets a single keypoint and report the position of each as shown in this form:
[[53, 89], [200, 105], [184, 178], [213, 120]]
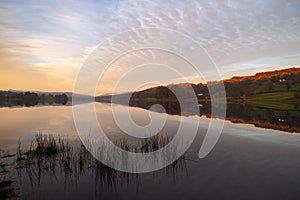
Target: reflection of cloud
[[52, 37]]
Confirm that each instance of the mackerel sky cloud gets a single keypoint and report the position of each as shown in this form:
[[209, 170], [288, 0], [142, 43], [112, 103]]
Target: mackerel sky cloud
[[49, 40]]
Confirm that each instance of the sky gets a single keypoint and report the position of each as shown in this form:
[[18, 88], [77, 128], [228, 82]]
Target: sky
[[43, 44]]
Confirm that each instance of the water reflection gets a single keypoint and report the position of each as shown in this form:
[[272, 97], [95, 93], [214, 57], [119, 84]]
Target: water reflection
[[277, 119], [28, 99], [236, 167], [21, 103], [51, 157], [284, 120]]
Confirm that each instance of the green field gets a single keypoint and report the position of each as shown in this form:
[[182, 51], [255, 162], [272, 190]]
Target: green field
[[277, 87]]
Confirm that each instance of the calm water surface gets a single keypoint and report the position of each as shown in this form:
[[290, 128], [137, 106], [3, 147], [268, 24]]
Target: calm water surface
[[247, 162]]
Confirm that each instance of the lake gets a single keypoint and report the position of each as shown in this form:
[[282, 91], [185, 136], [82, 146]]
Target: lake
[[247, 162]]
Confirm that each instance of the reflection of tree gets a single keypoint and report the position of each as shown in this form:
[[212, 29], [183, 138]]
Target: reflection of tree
[[262, 117], [30, 98], [171, 107], [237, 113], [10, 98], [22, 99], [61, 99]]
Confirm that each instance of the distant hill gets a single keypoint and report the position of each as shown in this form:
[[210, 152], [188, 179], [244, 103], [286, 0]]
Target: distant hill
[[261, 88]]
